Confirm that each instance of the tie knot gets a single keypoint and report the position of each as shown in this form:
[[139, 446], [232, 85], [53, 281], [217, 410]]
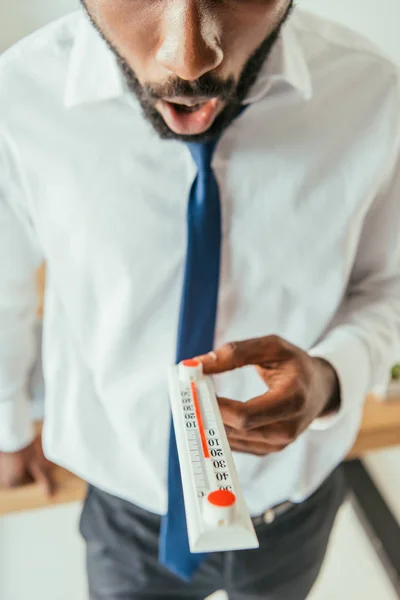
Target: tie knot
[[202, 154]]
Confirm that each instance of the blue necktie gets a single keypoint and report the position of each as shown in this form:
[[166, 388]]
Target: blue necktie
[[195, 337]]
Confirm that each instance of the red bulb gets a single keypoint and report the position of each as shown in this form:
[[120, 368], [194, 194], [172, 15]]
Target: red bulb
[[191, 363], [222, 498]]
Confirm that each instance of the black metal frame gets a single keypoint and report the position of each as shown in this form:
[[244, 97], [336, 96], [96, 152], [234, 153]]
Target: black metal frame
[[376, 517]]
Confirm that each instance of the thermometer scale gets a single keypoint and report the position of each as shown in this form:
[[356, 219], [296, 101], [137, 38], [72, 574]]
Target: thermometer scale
[[216, 513]]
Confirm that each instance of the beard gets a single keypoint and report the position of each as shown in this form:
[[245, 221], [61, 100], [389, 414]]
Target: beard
[[207, 86]]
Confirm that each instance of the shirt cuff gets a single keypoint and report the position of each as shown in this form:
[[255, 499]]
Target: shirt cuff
[[349, 357], [16, 426]]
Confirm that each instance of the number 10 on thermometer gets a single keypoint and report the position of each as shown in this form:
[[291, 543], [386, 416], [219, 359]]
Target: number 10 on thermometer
[[216, 513]]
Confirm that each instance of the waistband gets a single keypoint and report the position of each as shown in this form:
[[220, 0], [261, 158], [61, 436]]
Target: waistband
[[270, 515]]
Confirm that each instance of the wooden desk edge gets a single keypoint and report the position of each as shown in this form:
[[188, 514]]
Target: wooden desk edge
[[380, 429]]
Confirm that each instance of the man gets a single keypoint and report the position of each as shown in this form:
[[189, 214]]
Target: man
[[278, 134]]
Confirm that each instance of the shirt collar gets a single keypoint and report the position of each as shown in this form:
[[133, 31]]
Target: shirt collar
[[286, 63], [94, 75]]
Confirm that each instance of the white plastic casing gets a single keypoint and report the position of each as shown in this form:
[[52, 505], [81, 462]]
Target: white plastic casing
[[191, 371], [218, 515], [211, 527]]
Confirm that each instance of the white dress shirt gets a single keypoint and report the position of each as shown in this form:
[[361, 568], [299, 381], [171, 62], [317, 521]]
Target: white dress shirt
[[309, 183]]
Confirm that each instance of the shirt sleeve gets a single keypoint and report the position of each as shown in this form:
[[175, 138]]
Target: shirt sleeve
[[363, 340], [19, 257]]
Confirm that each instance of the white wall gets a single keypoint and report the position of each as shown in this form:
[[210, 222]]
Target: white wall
[[19, 17], [377, 19], [42, 555]]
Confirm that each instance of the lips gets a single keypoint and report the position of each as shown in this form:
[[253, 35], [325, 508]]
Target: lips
[[189, 116]]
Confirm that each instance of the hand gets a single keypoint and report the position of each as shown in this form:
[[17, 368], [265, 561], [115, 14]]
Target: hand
[[301, 388], [26, 466]]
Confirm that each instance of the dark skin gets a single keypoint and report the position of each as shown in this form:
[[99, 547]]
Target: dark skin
[[186, 39], [26, 466], [301, 389], [172, 49]]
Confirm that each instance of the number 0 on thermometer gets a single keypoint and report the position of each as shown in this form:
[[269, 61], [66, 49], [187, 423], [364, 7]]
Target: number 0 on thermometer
[[216, 513]]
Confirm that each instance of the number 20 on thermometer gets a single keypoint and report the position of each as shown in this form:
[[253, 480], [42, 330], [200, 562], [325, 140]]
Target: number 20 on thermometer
[[216, 514]]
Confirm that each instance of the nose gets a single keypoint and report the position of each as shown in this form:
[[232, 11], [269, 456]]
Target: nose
[[189, 47]]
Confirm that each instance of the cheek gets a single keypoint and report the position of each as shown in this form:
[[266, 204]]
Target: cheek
[[244, 31], [133, 27], [246, 25]]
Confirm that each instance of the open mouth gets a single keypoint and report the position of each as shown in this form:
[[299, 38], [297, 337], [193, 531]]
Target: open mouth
[[189, 116], [183, 108]]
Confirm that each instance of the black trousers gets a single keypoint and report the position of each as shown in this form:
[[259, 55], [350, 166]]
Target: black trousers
[[122, 547]]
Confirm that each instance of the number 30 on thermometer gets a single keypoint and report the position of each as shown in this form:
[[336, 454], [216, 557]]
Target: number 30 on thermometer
[[216, 514]]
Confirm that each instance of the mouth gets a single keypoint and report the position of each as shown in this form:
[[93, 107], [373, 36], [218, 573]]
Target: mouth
[[189, 116]]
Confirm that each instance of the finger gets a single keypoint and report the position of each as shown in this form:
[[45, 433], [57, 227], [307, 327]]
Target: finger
[[42, 475], [275, 405], [248, 352], [14, 481], [243, 446], [280, 434], [267, 409]]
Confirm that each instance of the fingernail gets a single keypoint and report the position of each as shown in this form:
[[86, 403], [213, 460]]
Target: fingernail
[[211, 355]]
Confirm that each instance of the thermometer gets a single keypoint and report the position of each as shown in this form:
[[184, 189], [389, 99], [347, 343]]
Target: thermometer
[[216, 513]]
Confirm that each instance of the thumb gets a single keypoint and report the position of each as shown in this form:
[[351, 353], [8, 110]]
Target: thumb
[[226, 358], [240, 354]]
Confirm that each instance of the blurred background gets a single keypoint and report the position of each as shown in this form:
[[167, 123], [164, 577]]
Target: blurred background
[[41, 555]]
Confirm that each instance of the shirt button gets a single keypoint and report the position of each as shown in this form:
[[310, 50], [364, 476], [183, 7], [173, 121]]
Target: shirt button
[[269, 516]]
